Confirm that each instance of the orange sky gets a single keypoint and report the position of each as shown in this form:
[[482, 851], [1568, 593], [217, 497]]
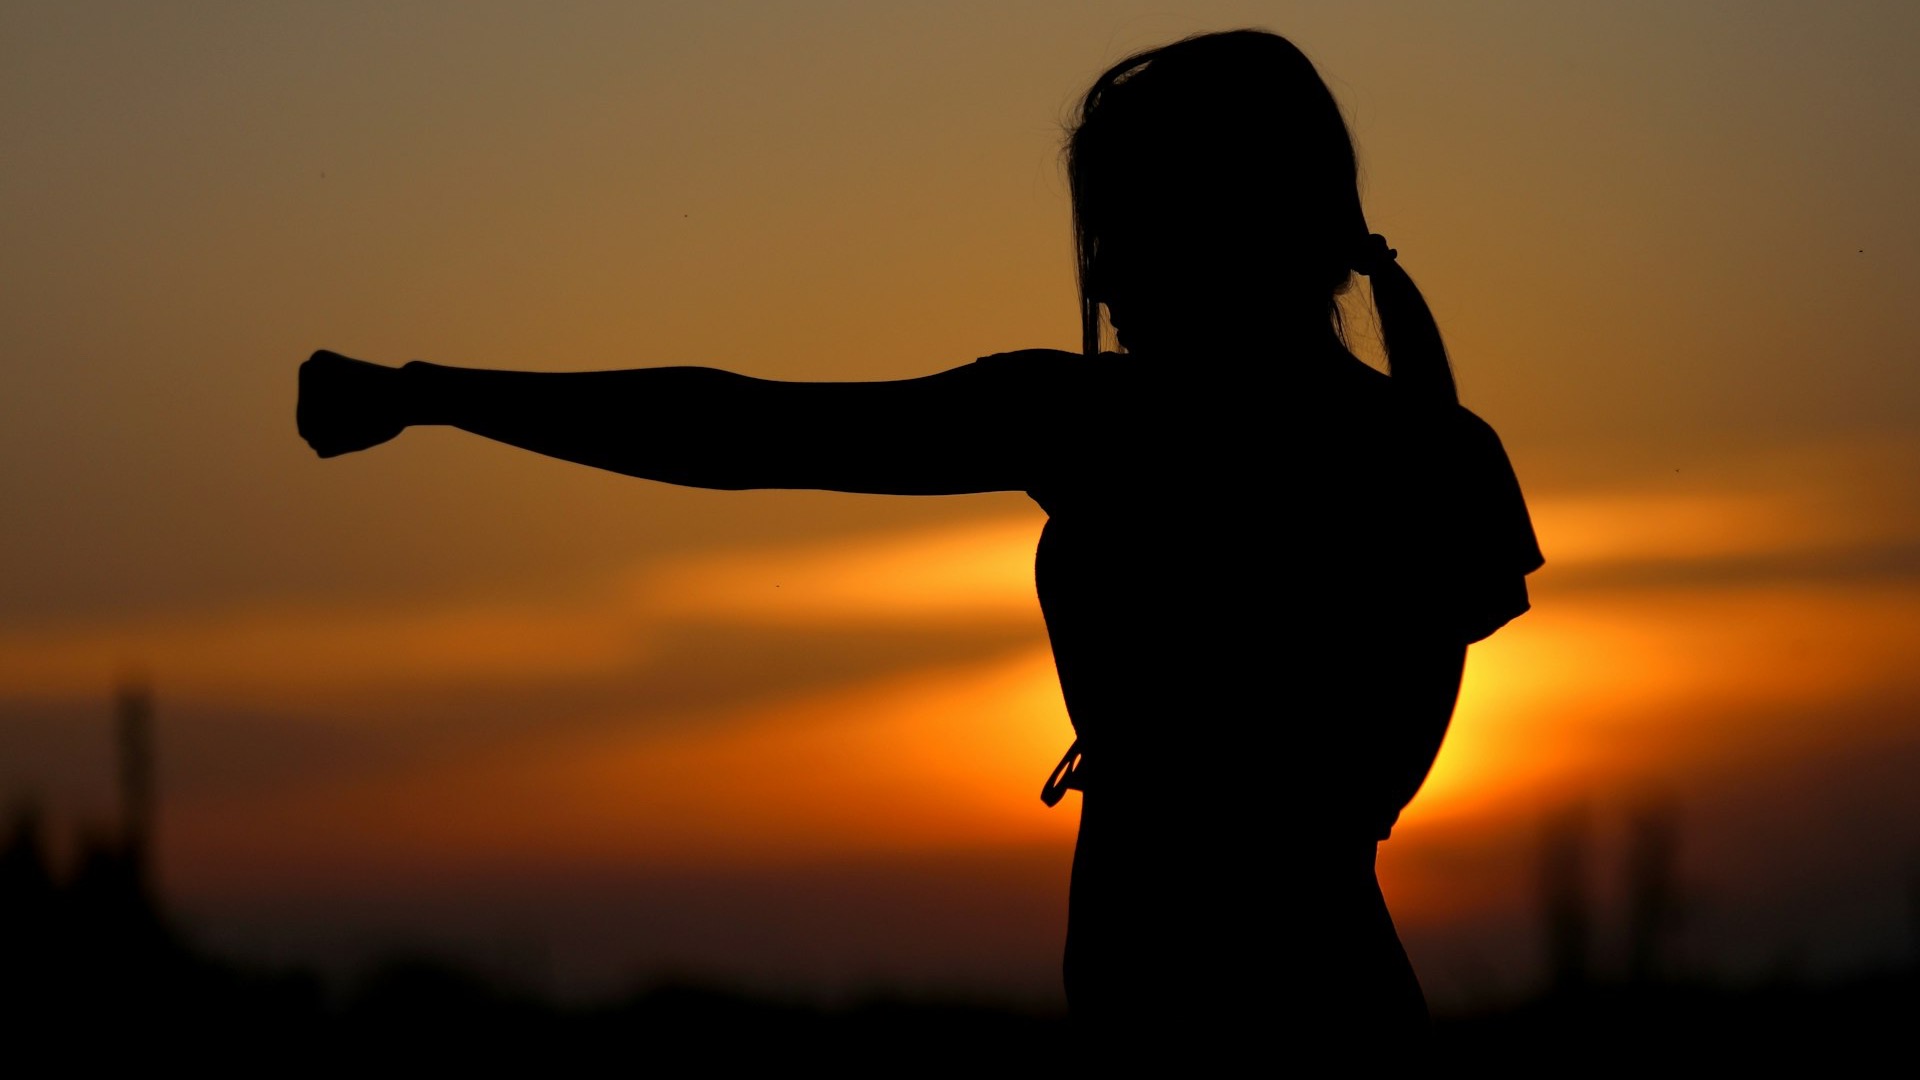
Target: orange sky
[[447, 688]]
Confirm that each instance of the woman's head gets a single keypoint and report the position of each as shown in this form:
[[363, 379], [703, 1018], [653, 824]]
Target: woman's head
[[1215, 191]]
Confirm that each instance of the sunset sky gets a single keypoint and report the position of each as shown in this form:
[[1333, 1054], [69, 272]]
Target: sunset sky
[[590, 729]]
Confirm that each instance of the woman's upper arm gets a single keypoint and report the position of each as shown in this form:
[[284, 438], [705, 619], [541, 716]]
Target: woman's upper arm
[[984, 426]]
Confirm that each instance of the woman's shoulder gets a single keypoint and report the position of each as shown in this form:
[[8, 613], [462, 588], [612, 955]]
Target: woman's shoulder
[[1035, 363], [1414, 426], [1417, 410], [1475, 435], [1041, 374]]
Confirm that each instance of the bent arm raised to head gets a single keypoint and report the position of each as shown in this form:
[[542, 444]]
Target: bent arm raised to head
[[955, 432]]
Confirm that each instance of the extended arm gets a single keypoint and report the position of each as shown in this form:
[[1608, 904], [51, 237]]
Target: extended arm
[[954, 432]]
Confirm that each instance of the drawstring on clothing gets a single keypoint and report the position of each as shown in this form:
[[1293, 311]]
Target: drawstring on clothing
[[1064, 777]]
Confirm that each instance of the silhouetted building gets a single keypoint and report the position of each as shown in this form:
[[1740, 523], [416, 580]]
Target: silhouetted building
[[1566, 899], [1913, 917], [133, 736], [1653, 893], [29, 905], [89, 945]]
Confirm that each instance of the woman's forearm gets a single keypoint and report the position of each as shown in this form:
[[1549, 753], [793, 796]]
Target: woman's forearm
[[682, 425]]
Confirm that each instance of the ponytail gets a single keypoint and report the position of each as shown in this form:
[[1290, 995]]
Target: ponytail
[[1416, 355]]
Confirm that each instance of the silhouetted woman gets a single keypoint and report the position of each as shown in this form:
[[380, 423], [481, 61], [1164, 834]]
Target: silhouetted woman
[[1263, 560]]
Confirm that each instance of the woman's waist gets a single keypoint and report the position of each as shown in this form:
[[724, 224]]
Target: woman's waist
[[1235, 782]]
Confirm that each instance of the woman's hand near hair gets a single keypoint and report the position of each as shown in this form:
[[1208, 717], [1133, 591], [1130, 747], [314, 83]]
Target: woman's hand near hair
[[347, 405]]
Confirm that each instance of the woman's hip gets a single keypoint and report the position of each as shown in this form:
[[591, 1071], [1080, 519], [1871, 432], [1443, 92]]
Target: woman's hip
[[1226, 919]]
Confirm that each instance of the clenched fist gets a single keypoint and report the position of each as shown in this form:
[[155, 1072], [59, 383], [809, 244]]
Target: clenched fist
[[347, 404]]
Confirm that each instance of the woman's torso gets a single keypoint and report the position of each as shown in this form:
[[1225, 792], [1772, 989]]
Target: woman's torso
[[1237, 579]]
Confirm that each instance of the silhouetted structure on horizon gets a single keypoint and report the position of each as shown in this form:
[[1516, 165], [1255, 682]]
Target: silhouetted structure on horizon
[[1913, 916], [133, 731], [1654, 906], [1566, 890], [91, 942]]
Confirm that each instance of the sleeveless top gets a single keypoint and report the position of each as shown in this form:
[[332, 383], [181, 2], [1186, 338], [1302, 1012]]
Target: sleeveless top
[[1256, 585]]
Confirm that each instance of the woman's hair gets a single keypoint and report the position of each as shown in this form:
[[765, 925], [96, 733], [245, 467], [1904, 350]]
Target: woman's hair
[[1216, 175]]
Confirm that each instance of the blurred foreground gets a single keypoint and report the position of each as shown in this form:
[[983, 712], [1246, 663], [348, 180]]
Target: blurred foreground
[[91, 964], [93, 961]]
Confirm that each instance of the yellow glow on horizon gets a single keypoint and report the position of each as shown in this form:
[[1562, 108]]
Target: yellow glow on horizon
[[1658, 682]]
